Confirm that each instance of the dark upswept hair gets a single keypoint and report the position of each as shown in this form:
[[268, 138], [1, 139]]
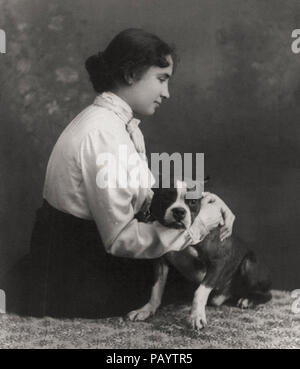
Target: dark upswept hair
[[131, 52]]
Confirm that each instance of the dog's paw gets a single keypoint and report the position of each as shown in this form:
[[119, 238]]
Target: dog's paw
[[197, 319], [244, 303], [141, 314]]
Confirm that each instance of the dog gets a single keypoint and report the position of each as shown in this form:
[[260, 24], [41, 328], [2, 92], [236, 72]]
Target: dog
[[222, 271]]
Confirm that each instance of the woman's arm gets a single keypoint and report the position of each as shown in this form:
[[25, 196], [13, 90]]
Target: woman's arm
[[112, 208], [228, 216]]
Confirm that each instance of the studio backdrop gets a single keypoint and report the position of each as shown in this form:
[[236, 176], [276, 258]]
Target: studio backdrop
[[235, 97]]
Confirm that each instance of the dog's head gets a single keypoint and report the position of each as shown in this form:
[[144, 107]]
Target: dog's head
[[172, 207]]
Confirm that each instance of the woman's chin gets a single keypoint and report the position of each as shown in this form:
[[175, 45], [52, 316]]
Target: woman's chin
[[152, 110], [149, 111]]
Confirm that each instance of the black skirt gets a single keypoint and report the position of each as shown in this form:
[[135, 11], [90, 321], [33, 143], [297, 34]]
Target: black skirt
[[69, 274]]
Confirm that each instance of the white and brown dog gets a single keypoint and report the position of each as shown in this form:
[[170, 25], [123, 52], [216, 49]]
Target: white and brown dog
[[223, 271]]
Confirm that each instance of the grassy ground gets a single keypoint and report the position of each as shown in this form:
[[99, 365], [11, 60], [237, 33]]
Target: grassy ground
[[273, 325]]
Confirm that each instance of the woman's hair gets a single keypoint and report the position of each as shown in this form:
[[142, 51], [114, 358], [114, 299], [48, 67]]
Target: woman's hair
[[130, 53]]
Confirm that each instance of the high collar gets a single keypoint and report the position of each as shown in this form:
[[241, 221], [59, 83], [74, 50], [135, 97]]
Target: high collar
[[116, 104]]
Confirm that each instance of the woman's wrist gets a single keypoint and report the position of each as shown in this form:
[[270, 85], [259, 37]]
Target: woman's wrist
[[198, 231]]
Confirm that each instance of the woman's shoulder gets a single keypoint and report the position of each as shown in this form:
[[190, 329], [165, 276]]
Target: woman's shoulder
[[95, 118], [95, 115]]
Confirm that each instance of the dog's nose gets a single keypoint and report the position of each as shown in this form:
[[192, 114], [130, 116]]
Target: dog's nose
[[178, 213]]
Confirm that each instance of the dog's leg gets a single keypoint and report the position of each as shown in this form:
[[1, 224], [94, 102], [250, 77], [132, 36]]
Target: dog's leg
[[161, 274], [188, 263], [198, 315], [253, 293]]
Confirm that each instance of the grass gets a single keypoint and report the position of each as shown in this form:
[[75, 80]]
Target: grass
[[273, 325]]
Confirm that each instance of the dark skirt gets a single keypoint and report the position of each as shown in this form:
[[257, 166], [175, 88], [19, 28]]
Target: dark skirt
[[69, 274]]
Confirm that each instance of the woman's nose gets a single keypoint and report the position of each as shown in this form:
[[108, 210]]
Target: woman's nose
[[165, 93]]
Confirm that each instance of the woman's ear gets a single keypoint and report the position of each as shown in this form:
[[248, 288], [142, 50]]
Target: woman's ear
[[129, 76], [129, 79]]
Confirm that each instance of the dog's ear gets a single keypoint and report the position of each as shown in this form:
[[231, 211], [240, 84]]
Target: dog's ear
[[155, 191], [155, 206]]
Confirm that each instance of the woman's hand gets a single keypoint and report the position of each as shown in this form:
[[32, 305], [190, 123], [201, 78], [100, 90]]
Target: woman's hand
[[228, 216], [210, 214], [209, 217]]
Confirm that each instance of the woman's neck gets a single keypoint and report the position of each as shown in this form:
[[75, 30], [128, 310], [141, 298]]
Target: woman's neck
[[124, 94]]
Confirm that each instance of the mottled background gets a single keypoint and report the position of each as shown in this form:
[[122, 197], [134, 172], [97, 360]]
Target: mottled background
[[235, 97]]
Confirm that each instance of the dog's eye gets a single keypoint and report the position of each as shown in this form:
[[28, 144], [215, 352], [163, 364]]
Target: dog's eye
[[191, 202]]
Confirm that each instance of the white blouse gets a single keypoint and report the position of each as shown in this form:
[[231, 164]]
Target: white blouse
[[73, 185]]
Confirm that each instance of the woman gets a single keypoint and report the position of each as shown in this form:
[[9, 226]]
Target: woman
[[90, 256]]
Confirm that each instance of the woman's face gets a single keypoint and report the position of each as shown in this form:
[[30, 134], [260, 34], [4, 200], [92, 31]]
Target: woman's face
[[147, 93]]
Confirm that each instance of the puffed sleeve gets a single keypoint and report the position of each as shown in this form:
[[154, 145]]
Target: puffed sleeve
[[112, 206]]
